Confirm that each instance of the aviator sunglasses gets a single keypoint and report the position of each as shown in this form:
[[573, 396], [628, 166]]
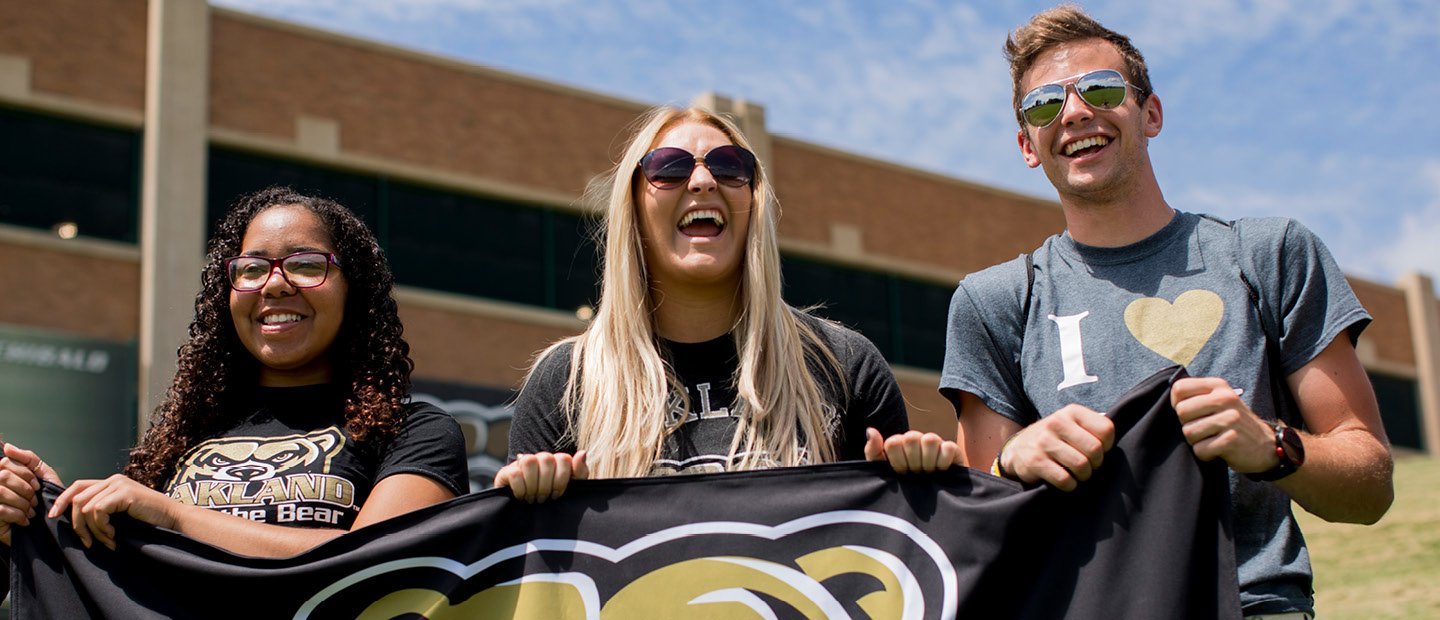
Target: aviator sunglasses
[[1103, 90], [669, 167]]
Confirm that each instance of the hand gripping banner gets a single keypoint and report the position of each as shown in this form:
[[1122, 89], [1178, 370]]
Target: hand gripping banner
[[1146, 537]]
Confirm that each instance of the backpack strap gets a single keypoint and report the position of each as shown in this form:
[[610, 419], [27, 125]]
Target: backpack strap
[[1029, 289], [1286, 408], [1029, 260]]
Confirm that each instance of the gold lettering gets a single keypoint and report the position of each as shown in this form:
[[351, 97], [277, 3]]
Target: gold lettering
[[338, 491], [272, 491], [184, 493], [212, 493], [305, 486]]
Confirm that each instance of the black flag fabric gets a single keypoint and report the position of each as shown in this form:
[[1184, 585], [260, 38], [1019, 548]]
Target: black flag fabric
[[1146, 537]]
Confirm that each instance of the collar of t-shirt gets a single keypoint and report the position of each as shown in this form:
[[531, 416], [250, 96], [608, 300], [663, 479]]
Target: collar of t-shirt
[[297, 406], [1095, 255], [700, 361]]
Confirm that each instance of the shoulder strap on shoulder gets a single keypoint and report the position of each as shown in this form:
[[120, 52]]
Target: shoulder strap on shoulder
[[1029, 285], [1244, 265], [1028, 259], [1285, 406]]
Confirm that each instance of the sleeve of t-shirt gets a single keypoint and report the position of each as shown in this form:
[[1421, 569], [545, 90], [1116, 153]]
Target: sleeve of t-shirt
[[539, 423], [875, 400], [430, 444], [1315, 303], [983, 338]]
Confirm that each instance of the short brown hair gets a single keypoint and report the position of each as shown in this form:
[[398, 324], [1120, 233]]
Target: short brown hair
[[1063, 24]]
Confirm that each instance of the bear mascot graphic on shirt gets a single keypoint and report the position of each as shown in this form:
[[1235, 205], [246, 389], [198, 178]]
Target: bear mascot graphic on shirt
[[272, 479]]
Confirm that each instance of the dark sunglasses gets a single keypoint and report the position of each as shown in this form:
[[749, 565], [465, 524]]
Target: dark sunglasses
[[669, 167], [301, 270], [1103, 90]]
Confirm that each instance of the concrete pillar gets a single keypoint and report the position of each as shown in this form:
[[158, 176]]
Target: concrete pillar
[[172, 193], [1424, 311], [751, 119]]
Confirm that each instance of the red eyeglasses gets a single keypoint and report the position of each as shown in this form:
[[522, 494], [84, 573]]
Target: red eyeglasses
[[301, 270]]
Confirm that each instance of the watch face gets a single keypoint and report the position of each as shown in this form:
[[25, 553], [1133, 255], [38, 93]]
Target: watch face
[[1293, 447]]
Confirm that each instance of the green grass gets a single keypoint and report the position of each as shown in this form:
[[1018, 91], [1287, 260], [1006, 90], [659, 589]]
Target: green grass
[[1387, 570]]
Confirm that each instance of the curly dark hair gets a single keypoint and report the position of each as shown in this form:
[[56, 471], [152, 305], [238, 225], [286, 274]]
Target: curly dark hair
[[216, 371]]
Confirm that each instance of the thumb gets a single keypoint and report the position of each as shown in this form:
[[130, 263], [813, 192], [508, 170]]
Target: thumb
[[579, 469], [874, 445]]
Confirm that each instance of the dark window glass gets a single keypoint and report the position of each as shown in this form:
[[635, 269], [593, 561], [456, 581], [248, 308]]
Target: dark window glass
[[1399, 401], [923, 311], [467, 244], [233, 173], [55, 170], [576, 261], [856, 298]]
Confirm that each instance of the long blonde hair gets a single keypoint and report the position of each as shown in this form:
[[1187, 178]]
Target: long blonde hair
[[619, 387]]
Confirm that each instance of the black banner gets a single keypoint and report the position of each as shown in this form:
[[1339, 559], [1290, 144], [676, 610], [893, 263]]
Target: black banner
[[1147, 537]]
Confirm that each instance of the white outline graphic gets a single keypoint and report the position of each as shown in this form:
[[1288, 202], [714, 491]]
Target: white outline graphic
[[911, 588]]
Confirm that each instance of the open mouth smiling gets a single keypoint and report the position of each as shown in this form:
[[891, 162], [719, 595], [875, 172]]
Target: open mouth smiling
[[280, 318], [1085, 146], [702, 223]]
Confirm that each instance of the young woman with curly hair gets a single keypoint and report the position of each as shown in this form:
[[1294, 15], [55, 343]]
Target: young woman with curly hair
[[287, 423], [693, 361]]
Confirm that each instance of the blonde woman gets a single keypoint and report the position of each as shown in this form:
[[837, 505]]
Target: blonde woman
[[693, 362]]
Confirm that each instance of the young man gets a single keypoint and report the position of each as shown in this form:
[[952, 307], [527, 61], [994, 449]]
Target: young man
[[1255, 309]]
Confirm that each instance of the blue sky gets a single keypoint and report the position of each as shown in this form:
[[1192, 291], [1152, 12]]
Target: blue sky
[[1321, 110]]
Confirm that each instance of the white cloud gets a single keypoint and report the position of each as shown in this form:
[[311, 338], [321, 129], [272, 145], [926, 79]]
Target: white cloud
[[1379, 216], [1416, 246]]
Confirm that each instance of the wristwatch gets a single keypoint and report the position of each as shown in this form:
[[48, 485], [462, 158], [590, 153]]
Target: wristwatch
[[1289, 449]]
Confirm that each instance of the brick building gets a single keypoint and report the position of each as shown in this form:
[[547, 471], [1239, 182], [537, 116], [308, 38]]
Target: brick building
[[123, 122]]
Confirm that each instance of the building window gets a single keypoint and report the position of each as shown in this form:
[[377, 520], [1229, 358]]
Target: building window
[[924, 310], [467, 244], [234, 173], [575, 264], [1399, 401], [858, 299], [435, 238], [904, 317], [73, 178]]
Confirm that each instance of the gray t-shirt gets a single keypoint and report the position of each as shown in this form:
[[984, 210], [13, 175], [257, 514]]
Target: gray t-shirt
[[1101, 319]]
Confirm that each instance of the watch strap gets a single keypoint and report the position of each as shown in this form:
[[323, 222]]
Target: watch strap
[[1284, 465]]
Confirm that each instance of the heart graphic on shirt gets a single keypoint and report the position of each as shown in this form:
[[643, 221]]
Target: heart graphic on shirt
[[1176, 331]]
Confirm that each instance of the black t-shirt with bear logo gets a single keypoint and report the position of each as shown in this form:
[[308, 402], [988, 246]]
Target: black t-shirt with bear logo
[[291, 462], [865, 395]]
